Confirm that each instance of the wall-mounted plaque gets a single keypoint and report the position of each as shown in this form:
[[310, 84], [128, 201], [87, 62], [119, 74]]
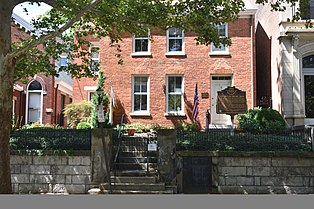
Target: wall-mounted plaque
[[231, 101]]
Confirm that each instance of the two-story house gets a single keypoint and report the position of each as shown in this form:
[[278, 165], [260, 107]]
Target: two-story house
[[43, 98], [156, 82], [285, 61]]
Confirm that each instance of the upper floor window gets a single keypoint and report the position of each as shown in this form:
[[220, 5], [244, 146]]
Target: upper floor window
[[175, 41], [140, 94], [223, 32], [307, 9], [63, 62], [141, 44], [95, 57], [175, 94]]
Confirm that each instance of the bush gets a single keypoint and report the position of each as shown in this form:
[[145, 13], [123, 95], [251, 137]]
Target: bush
[[139, 128], [187, 126], [78, 112], [83, 125], [261, 120]]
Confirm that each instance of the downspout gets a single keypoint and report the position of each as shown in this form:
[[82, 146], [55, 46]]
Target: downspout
[[52, 101], [252, 60], [56, 97]]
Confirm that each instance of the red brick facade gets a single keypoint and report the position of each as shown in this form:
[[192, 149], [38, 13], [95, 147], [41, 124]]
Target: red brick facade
[[196, 66], [51, 102]]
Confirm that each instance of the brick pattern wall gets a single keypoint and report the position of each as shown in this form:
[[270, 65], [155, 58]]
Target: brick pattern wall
[[39, 174], [196, 66]]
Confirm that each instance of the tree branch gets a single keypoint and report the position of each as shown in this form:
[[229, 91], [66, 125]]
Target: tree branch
[[54, 34]]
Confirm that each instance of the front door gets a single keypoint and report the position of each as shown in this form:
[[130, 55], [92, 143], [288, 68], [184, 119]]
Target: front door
[[218, 83], [34, 107]]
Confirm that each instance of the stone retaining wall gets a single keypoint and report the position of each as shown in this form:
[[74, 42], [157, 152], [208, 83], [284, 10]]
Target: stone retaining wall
[[40, 174], [260, 173]]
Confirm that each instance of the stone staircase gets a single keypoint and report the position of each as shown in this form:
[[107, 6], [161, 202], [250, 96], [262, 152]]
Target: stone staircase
[[135, 171]]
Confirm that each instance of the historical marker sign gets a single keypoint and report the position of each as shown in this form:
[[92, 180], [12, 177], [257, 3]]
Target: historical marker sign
[[231, 101]]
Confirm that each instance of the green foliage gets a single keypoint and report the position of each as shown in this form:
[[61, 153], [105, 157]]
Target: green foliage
[[227, 140], [261, 120], [78, 112], [103, 98], [139, 128], [51, 139], [38, 125], [187, 126], [83, 125]]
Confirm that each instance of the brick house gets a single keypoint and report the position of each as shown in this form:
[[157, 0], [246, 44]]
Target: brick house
[[156, 82], [42, 98], [285, 67]]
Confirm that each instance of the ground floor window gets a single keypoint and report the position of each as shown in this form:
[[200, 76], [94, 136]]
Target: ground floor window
[[175, 94], [140, 94]]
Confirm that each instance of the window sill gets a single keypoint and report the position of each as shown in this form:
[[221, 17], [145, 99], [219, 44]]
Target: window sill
[[139, 114], [219, 54], [175, 54], [141, 54], [174, 114]]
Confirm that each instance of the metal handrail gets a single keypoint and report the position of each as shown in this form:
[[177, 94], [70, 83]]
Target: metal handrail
[[118, 150]]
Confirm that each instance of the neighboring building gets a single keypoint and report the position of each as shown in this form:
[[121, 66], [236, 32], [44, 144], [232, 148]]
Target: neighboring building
[[43, 98], [156, 82], [285, 62]]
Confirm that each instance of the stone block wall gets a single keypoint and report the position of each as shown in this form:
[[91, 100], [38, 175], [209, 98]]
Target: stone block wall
[[31, 174], [261, 173]]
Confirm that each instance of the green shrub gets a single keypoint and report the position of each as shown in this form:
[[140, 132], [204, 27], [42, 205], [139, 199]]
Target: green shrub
[[261, 120], [187, 126], [83, 125], [139, 128], [78, 112]]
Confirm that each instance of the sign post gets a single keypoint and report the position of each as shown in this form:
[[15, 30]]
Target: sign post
[[231, 101]]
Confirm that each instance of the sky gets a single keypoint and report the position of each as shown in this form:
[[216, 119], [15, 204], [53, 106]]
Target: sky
[[33, 10]]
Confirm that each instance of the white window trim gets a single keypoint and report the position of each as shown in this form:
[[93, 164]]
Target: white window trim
[[141, 112], [27, 104], [175, 113], [89, 95], [226, 52], [178, 53], [148, 53]]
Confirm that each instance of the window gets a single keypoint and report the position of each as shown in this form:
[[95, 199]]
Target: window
[[175, 94], [221, 49], [63, 63], [90, 95], [141, 44], [175, 41], [140, 94], [95, 57], [307, 9]]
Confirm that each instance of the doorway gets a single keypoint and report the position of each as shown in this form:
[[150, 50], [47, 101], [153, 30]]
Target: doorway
[[34, 103], [218, 83]]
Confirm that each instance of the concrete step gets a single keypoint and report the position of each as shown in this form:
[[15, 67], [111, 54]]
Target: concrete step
[[138, 192], [137, 160], [137, 154], [134, 187], [132, 173], [135, 166], [133, 179]]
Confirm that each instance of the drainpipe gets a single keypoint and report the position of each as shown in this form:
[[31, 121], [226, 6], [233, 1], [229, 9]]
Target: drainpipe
[[52, 101], [252, 60], [55, 108]]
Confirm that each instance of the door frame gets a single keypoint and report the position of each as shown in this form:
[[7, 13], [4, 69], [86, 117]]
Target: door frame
[[211, 87], [27, 103], [306, 71]]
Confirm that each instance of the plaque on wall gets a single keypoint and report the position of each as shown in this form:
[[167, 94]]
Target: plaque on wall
[[231, 101]]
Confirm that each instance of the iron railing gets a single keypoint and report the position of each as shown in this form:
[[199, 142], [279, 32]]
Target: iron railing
[[237, 140], [50, 139]]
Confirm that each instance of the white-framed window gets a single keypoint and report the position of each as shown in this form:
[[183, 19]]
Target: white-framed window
[[175, 93], [223, 32], [175, 41], [95, 57], [90, 95], [63, 62], [141, 44], [140, 94]]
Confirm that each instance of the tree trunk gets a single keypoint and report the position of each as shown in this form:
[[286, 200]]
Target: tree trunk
[[6, 95]]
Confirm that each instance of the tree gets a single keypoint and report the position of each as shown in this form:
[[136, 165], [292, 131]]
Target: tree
[[99, 18]]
